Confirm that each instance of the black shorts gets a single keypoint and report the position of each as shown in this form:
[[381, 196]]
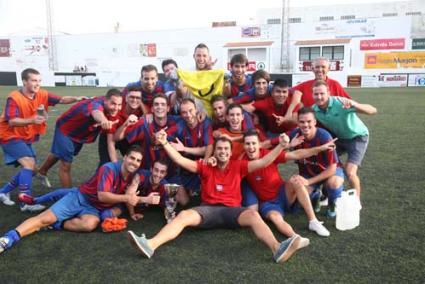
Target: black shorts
[[219, 216]]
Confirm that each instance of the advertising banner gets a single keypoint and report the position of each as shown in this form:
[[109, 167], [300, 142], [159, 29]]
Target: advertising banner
[[418, 43], [394, 60], [148, 50], [392, 80], [378, 44], [36, 46], [416, 80], [251, 32]]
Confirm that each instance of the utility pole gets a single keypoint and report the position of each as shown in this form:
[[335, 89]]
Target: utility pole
[[284, 37], [53, 63]]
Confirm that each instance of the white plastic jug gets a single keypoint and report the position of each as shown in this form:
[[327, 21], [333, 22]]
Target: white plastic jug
[[347, 210]]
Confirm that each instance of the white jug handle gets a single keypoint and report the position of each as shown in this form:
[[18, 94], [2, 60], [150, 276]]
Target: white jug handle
[[351, 191]]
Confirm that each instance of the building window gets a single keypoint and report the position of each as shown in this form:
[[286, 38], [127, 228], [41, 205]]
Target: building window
[[326, 18], [413, 13], [273, 21], [295, 20], [333, 52], [348, 17], [389, 15], [309, 53]]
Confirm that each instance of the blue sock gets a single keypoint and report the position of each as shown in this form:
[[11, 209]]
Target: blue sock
[[57, 226], [52, 196], [13, 236], [11, 185], [25, 181], [106, 213], [334, 193]]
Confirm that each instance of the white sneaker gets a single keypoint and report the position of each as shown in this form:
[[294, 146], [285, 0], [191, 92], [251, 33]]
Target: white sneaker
[[32, 208], [5, 198], [304, 242], [4, 243], [44, 180], [317, 226]]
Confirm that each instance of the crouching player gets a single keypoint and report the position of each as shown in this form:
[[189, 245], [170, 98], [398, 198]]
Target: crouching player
[[264, 188], [79, 210]]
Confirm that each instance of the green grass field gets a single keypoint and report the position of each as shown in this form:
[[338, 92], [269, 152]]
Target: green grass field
[[387, 247]]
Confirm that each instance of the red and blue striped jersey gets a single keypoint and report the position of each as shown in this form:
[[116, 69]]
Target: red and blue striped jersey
[[147, 97], [249, 96], [78, 124], [199, 136], [108, 178], [143, 133], [315, 164], [236, 89], [146, 188]]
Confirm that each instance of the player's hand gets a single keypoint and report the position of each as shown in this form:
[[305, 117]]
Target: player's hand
[[131, 119], [211, 161], [297, 140], [178, 145], [201, 116], [346, 103], [136, 216], [284, 140], [107, 124], [132, 199], [216, 134], [279, 119], [153, 198], [38, 119], [330, 146], [161, 137], [210, 63]]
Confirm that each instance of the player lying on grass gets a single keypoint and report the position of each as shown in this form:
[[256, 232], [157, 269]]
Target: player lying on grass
[[221, 200], [79, 210]]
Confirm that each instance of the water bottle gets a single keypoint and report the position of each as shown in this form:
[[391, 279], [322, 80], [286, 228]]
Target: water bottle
[[347, 210]]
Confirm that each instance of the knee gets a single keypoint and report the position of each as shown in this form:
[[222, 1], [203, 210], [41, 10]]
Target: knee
[[251, 214], [334, 183], [274, 216], [352, 175], [90, 225], [184, 214]]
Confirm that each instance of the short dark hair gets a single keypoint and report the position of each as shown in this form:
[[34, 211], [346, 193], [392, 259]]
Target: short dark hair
[[163, 162], [168, 61], [133, 89], [305, 110], [160, 95], [223, 139], [113, 93], [281, 83], [218, 99], [188, 100], [250, 132], [232, 106], [25, 74], [201, 45], [320, 83], [134, 148], [261, 74], [148, 68], [239, 58]]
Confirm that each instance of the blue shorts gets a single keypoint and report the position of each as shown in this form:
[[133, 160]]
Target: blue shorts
[[16, 149], [64, 148], [74, 204], [355, 148], [316, 187]]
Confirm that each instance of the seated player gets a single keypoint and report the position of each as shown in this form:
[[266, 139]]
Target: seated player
[[264, 189], [316, 171], [221, 200], [79, 210]]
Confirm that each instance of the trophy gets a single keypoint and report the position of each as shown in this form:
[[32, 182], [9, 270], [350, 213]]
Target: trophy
[[41, 111], [170, 201]]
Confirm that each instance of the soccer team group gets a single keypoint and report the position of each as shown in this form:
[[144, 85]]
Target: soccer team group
[[227, 159]]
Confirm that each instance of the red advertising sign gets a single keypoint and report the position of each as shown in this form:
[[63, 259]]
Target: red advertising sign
[[4, 48], [378, 44]]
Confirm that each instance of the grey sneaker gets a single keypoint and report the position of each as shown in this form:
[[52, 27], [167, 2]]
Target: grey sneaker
[[5, 199], [287, 248], [32, 208], [44, 180], [141, 243], [4, 244]]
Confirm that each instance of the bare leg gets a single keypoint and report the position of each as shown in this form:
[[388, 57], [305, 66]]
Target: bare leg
[[186, 218], [84, 223], [65, 174], [296, 191], [34, 224], [182, 197], [353, 179], [50, 161], [282, 226], [251, 218]]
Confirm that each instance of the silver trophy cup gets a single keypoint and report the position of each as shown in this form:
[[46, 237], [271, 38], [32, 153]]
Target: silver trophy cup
[[170, 201]]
